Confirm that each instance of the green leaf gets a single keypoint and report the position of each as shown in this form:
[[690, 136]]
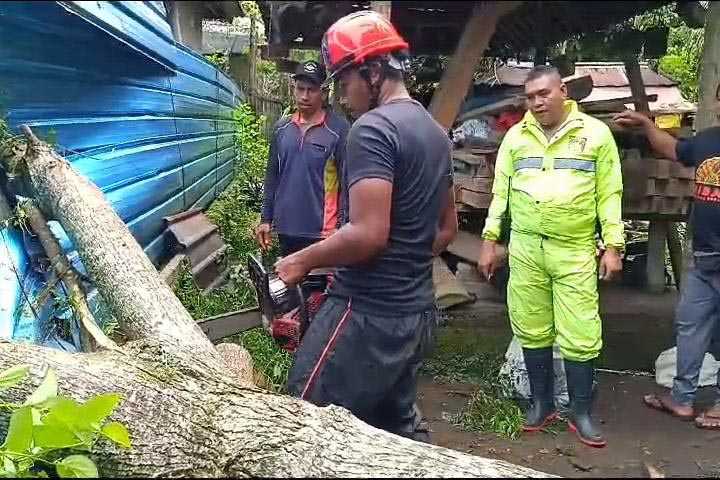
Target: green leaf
[[99, 408], [77, 466], [12, 376], [19, 436], [54, 436], [117, 432], [62, 411], [45, 391]]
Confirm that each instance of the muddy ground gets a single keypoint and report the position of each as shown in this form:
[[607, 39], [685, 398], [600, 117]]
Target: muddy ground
[[637, 327]]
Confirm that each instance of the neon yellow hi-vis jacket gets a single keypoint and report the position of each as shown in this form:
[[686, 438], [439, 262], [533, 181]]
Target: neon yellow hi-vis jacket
[[559, 188]]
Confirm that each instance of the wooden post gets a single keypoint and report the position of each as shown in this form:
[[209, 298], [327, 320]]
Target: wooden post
[[637, 87], [657, 237], [458, 75], [659, 229], [252, 77]]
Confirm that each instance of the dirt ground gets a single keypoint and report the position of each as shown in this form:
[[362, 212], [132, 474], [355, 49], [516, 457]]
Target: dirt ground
[[637, 327]]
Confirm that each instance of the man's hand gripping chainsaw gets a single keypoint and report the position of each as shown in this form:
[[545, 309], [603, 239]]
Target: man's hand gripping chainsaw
[[287, 311]]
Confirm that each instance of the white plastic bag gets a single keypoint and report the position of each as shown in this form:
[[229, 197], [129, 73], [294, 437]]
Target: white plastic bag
[[514, 368], [666, 367]]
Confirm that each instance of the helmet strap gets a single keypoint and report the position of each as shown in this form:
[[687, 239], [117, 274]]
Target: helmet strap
[[374, 88]]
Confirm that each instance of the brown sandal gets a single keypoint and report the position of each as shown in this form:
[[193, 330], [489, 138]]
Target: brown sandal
[[656, 402]]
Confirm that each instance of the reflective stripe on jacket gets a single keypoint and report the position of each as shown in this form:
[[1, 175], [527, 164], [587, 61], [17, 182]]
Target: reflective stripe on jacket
[[559, 187]]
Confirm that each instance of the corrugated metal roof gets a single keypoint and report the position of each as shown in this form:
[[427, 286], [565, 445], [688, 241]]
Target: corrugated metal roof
[[670, 99], [603, 74], [612, 74]]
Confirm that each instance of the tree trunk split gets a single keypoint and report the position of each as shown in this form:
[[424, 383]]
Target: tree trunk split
[[190, 413]]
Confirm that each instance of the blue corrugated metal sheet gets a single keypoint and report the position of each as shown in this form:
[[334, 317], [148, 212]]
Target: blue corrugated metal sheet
[[144, 118]]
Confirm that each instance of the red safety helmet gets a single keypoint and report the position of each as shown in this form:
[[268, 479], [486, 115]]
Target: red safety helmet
[[356, 37]]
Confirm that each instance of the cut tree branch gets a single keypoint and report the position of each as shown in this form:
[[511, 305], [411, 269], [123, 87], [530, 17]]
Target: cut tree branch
[[91, 335]]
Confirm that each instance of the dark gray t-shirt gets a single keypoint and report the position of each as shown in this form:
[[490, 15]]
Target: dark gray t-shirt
[[399, 142]]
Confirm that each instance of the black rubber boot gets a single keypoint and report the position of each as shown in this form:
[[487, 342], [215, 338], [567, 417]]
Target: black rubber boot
[[542, 412], [580, 384]]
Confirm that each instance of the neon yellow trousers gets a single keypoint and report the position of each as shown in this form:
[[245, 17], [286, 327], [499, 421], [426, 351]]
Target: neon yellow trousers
[[553, 296]]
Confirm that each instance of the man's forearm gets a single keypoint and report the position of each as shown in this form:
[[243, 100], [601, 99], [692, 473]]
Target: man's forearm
[[443, 238], [662, 142], [350, 245]]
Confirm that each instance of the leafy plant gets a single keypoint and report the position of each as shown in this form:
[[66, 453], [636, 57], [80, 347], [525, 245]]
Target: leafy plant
[[236, 212], [51, 434], [220, 60]]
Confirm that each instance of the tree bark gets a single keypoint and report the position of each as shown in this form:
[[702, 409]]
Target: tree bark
[[186, 422], [187, 414], [143, 304]]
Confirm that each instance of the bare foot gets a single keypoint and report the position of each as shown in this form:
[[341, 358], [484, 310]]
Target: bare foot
[[709, 419], [665, 403]]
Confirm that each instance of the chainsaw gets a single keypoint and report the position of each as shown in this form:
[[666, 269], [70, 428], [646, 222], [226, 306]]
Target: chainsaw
[[285, 312]]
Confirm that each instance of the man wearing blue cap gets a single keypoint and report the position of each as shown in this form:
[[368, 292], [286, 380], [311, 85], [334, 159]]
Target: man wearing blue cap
[[302, 181]]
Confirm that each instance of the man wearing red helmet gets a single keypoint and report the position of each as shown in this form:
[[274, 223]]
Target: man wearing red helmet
[[363, 349]]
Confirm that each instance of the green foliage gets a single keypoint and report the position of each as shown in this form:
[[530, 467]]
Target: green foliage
[[251, 10], [681, 62], [220, 60], [50, 434], [235, 295], [236, 212], [460, 357], [684, 58], [272, 362]]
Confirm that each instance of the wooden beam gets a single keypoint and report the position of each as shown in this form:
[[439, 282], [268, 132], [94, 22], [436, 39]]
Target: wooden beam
[[659, 229], [637, 87], [458, 76]]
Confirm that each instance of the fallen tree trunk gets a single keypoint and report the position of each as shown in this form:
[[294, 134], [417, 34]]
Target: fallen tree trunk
[[202, 424], [186, 412]]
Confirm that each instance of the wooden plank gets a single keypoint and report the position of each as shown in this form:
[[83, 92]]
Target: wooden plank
[[614, 104], [467, 157], [578, 88], [449, 291], [474, 184], [458, 75], [466, 246], [474, 199]]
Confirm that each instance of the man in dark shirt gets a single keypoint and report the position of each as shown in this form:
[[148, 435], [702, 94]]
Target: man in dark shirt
[[363, 349], [302, 180], [698, 313]]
